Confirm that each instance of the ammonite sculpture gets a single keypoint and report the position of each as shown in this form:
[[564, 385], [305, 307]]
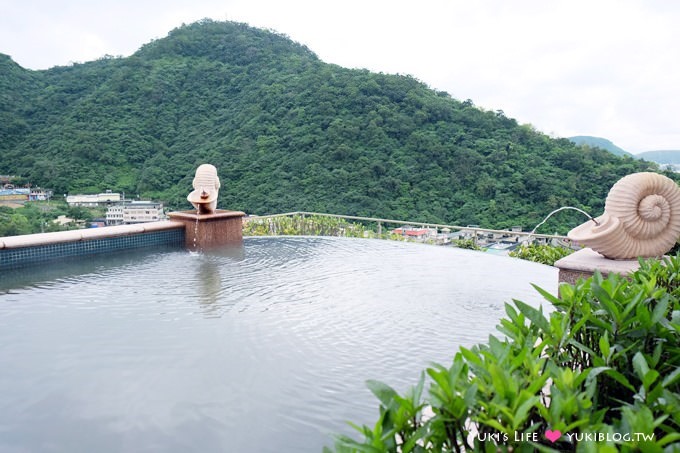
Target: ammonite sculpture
[[641, 219], [206, 188]]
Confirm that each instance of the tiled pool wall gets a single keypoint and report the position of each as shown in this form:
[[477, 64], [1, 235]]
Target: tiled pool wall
[[22, 251]]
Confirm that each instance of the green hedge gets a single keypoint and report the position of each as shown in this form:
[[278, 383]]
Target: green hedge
[[544, 254], [299, 225], [599, 373]]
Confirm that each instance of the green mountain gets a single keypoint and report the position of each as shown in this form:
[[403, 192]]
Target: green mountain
[[661, 157], [286, 132], [599, 142]]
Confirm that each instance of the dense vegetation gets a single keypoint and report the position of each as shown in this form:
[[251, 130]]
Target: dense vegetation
[[38, 217], [287, 132], [601, 373]]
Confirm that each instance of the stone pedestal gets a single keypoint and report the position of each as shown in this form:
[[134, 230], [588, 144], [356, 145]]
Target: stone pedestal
[[206, 231], [585, 262]]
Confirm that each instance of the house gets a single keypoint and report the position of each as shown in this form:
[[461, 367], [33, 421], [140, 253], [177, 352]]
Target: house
[[452, 236], [63, 220], [411, 232], [38, 194]]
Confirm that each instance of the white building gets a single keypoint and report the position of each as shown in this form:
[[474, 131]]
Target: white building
[[114, 214], [134, 212], [92, 201], [38, 194]]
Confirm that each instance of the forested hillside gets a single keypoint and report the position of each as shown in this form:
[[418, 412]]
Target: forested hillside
[[287, 132]]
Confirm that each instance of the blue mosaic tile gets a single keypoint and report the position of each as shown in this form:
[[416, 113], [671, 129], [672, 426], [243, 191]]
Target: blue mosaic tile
[[25, 256]]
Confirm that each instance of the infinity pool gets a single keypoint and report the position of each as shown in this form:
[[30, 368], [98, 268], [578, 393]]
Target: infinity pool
[[259, 348]]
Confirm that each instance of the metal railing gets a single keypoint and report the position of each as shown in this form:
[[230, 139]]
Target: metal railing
[[473, 230]]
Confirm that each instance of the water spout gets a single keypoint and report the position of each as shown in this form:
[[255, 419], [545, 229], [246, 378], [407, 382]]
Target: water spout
[[555, 212]]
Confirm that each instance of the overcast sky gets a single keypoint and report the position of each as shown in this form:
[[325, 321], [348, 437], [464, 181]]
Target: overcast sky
[[608, 68]]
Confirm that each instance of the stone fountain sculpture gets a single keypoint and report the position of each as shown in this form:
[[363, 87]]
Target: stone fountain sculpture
[[208, 227], [206, 189], [641, 219]]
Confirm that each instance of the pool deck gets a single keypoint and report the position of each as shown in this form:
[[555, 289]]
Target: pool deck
[[585, 262], [58, 237], [32, 249]]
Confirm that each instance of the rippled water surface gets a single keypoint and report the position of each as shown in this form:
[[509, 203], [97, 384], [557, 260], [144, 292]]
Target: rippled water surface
[[262, 348]]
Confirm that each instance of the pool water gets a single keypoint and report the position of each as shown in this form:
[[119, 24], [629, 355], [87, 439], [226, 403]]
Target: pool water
[[264, 347]]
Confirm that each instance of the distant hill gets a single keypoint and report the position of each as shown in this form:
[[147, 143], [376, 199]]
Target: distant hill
[[661, 157], [287, 132], [599, 142]]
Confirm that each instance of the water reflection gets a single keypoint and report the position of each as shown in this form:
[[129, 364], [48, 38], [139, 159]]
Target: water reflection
[[210, 285]]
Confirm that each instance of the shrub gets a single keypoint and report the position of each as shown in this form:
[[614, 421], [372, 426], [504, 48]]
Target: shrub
[[544, 254], [302, 225], [469, 244], [600, 373]]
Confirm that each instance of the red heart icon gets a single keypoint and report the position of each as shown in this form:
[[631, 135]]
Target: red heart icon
[[552, 436]]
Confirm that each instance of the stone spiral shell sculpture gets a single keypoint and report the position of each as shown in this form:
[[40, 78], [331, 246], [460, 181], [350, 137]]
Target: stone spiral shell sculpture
[[206, 189], [641, 219]]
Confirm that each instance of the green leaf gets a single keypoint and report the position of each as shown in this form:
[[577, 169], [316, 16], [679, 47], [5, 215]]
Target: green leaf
[[607, 302], [382, 391], [418, 390], [640, 365], [523, 411], [671, 378], [548, 296], [620, 378], [604, 345], [472, 357], [667, 439], [660, 310], [411, 443], [534, 315], [494, 424], [538, 383]]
